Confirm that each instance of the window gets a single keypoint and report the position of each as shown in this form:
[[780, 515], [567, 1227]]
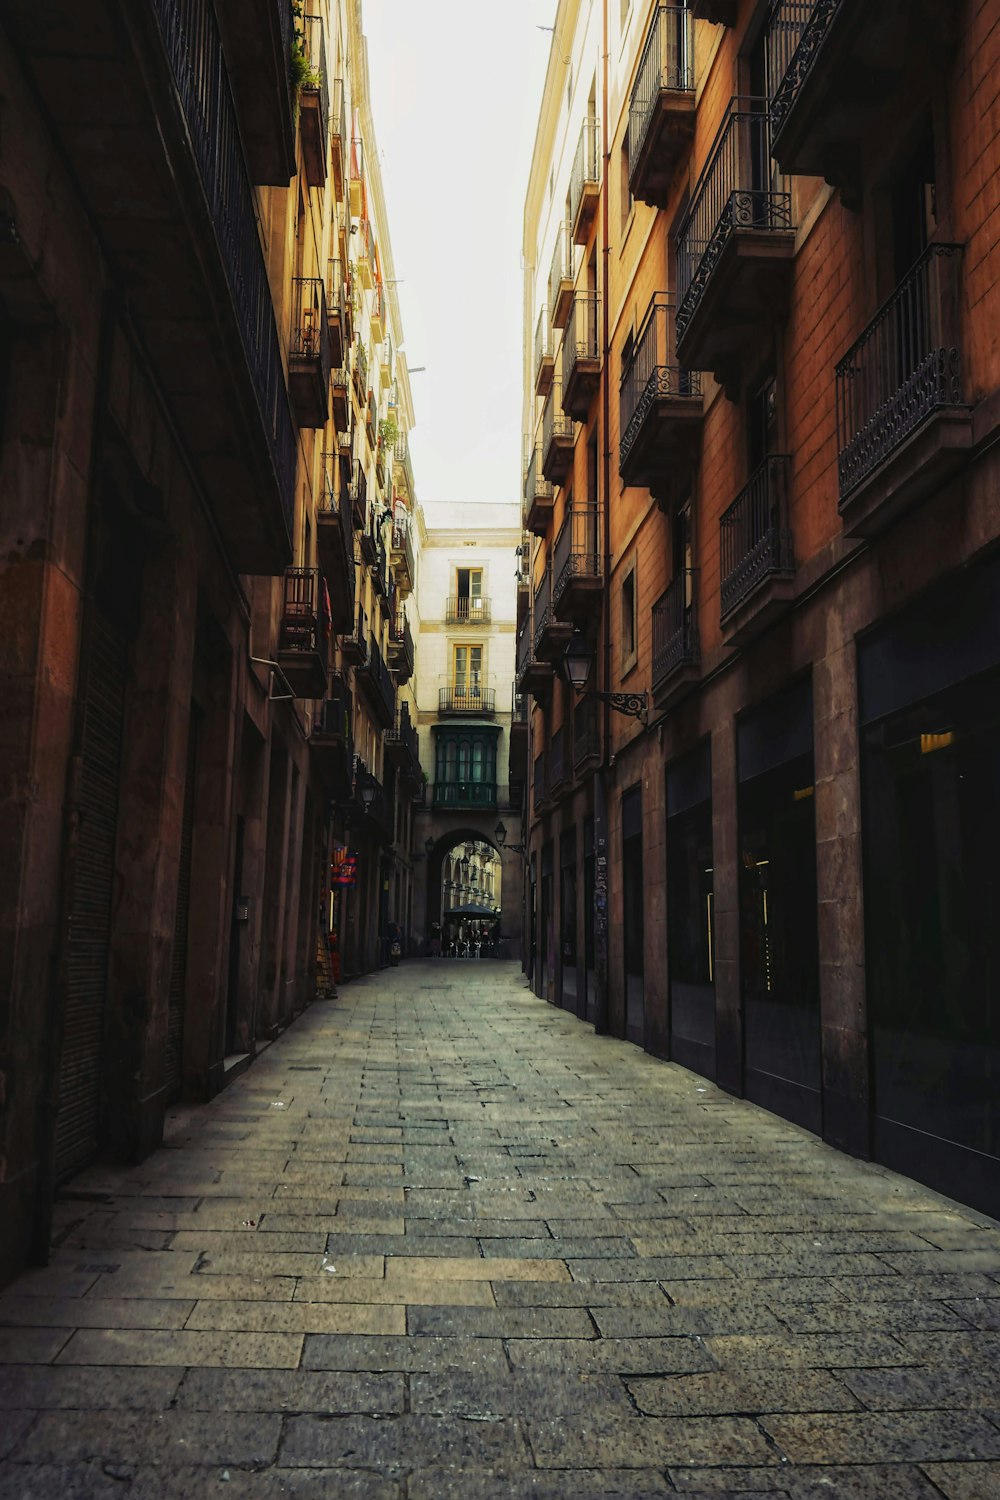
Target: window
[[628, 632], [469, 592], [467, 671], [762, 423]]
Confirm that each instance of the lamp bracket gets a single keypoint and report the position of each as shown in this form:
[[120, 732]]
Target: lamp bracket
[[633, 705]]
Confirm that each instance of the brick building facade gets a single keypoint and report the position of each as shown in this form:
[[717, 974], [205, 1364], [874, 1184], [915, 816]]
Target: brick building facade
[[761, 415]]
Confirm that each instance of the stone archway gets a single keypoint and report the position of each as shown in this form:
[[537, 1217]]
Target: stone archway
[[447, 830]]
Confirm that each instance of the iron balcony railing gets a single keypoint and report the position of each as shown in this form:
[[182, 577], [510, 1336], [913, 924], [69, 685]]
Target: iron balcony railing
[[333, 715], [402, 457], [461, 609], [357, 173], [310, 334], [338, 114], [358, 638], [666, 65], [586, 731], [582, 339], [518, 706], [652, 373], [542, 606], [374, 800], [524, 650], [756, 542], [401, 639], [359, 490], [336, 292], [586, 164], [557, 760], [317, 80], [675, 635], [555, 423], [334, 504], [464, 697], [361, 369], [543, 341], [536, 486], [905, 366], [403, 732], [402, 541], [194, 49], [577, 552], [540, 782], [305, 614], [796, 32], [739, 189], [465, 794], [380, 678], [562, 266]]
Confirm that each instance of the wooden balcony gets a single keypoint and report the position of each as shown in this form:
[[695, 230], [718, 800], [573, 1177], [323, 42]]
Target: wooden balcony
[[581, 355], [304, 635], [903, 427], [578, 565], [314, 100], [662, 107], [660, 407], [335, 543], [757, 556], [309, 353], [585, 181], [676, 665], [539, 496], [854, 65], [734, 251], [558, 438]]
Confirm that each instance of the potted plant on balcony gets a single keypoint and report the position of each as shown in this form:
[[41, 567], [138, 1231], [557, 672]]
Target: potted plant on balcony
[[301, 72]]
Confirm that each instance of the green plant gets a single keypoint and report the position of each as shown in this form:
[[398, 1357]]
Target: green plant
[[388, 432]]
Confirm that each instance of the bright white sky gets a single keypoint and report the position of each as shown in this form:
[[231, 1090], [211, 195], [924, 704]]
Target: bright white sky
[[456, 86]]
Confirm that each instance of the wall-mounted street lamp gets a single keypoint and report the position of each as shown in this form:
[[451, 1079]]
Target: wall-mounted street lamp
[[500, 833], [578, 663]]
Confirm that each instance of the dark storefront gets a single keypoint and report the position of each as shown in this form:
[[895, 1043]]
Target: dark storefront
[[546, 936], [690, 912], [633, 893], [929, 687], [588, 1000], [567, 921], [779, 958]]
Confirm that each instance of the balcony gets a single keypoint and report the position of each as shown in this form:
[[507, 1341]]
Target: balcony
[[518, 742], [368, 542], [585, 181], [559, 771], [468, 699], [577, 565], [402, 468], [304, 636], [400, 648], [660, 406], [539, 496], [382, 585], [331, 741], [581, 355], [734, 250], [558, 438], [142, 113], [309, 353], [374, 805], [720, 12], [339, 140], [359, 500], [902, 426], [675, 640], [365, 246], [532, 675], [403, 560], [468, 795], [402, 749], [377, 313], [335, 543], [371, 418], [662, 106], [258, 37], [336, 303], [545, 364], [314, 97], [847, 71], [463, 610], [586, 735], [354, 647], [540, 783], [356, 179], [373, 679], [757, 557], [340, 403], [561, 277], [551, 633], [360, 371]]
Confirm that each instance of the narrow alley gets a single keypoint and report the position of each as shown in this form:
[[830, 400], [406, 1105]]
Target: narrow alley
[[441, 1241]]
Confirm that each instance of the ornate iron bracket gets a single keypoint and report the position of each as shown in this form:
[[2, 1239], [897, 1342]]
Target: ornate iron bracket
[[633, 705]]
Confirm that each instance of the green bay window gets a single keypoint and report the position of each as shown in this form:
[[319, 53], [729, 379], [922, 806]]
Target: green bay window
[[465, 765]]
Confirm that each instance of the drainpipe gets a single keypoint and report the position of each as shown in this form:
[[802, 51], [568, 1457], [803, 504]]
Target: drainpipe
[[600, 807]]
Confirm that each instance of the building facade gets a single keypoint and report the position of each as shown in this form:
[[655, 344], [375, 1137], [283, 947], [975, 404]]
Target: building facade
[[206, 506], [467, 612], [760, 469]]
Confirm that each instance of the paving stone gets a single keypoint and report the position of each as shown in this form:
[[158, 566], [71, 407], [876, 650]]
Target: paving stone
[[408, 1290], [39, 1387], [376, 1353], [606, 1294], [124, 1437], [750, 1394], [300, 1316], [501, 1322], [495, 1268], [612, 1356], [195, 1288], [902, 1437], [811, 1351], [621, 1484], [291, 1391], [365, 1442], [105, 1346], [799, 1482], [965, 1481], [19, 1481], [887, 1317], [646, 1442], [94, 1312], [518, 1395], [273, 1484], [900, 1389], [35, 1346]]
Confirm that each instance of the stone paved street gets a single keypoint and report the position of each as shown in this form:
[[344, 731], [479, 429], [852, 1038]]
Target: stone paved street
[[443, 1241]]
